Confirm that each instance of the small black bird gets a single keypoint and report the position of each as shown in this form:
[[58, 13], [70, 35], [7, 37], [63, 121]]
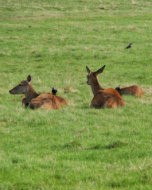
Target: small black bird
[[118, 89], [54, 91], [128, 46]]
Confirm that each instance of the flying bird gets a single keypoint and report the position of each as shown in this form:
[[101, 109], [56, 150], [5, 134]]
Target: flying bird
[[128, 46]]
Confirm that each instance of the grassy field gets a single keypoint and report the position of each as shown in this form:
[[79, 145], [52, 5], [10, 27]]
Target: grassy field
[[75, 148]]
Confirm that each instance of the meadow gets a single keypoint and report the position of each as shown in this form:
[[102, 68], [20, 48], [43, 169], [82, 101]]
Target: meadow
[[77, 147]]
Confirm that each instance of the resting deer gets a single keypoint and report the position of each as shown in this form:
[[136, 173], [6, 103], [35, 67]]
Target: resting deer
[[103, 98], [133, 90], [34, 100]]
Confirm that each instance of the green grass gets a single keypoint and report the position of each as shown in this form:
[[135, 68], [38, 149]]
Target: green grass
[[76, 148]]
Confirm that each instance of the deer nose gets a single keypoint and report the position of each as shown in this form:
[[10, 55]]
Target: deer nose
[[10, 91]]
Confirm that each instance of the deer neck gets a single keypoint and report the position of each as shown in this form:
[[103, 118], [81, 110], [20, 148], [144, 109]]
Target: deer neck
[[95, 86], [31, 93]]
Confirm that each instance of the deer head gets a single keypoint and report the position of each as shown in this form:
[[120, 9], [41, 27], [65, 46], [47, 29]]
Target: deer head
[[22, 88], [92, 76], [92, 79]]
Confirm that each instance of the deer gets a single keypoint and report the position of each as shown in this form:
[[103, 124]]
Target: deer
[[133, 90], [102, 98], [35, 100]]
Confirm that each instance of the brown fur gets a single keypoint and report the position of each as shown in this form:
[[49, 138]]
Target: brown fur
[[25, 102], [103, 98], [34, 100], [47, 101], [133, 90]]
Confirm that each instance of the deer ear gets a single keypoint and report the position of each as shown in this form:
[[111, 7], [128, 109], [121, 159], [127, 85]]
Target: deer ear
[[88, 70], [100, 70], [29, 78]]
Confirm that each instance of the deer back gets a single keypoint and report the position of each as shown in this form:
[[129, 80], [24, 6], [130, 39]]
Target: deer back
[[109, 98], [133, 90], [47, 101]]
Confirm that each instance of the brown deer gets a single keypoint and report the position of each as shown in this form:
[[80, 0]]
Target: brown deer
[[103, 98], [25, 87], [133, 90], [34, 100]]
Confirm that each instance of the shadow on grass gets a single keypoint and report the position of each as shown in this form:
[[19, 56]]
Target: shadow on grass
[[113, 145], [76, 145], [73, 145]]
